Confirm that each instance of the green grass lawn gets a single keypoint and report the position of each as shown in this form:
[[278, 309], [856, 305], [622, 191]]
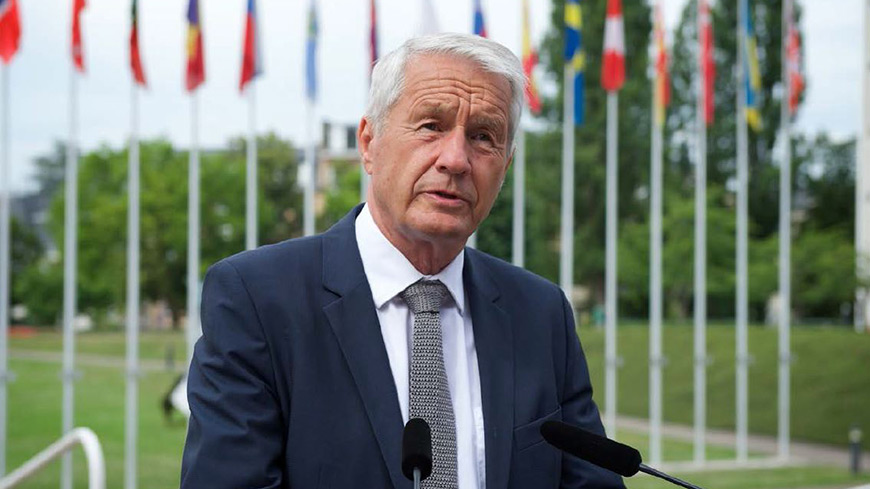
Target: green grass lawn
[[152, 345], [34, 423], [830, 378], [829, 388]]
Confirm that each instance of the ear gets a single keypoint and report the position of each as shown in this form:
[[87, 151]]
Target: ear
[[364, 136]]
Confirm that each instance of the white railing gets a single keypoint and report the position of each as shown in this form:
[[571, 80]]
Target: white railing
[[78, 436]]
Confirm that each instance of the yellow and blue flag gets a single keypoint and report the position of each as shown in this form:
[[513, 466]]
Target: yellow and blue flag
[[574, 54], [751, 73]]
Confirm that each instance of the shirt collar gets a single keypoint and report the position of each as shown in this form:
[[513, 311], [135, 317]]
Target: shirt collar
[[389, 272]]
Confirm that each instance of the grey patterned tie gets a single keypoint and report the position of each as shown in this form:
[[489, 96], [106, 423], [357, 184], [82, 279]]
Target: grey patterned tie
[[430, 392]]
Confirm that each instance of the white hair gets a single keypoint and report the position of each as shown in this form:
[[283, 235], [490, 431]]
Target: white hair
[[388, 76]]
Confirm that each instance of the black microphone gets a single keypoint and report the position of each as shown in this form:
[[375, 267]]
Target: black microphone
[[601, 451], [417, 450]]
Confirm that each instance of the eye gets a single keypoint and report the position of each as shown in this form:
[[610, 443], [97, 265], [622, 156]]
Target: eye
[[430, 126], [483, 137]]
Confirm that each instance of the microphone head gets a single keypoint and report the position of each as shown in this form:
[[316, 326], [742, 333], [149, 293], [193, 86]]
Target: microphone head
[[417, 449], [595, 449]]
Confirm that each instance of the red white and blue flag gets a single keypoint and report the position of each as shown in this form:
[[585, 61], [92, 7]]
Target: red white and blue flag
[[252, 61], [479, 24], [613, 67], [10, 29], [195, 75]]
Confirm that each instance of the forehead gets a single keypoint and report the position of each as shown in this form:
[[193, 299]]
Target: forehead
[[439, 75]]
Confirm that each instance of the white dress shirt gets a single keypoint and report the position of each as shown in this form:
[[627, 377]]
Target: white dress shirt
[[389, 273]]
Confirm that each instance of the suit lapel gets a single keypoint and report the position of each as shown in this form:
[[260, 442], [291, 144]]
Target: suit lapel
[[354, 322], [493, 339]]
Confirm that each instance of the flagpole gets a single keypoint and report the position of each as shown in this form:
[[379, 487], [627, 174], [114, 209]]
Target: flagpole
[[742, 354], [655, 297], [784, 387], [69, 276], [518, 229], [700, 275], [5, 261], [610, 265], [131, 420], [311, 167], [193, 198], [566, 256], [862, 189], [251, 178]]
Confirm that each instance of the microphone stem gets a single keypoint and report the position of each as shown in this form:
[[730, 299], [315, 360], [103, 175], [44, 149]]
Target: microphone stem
[[416, 478], [661, 475]]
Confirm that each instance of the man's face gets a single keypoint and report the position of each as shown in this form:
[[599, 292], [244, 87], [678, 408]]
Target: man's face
[[439, 160]]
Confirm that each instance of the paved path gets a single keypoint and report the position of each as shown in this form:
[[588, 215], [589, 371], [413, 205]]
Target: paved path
[[802, 453]]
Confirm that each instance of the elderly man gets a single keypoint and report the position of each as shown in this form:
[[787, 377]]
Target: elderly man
[[316, 351]]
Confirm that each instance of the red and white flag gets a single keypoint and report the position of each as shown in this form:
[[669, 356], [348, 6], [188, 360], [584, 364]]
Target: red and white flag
[[613, 66], [708, 67], [10, 29], [77, 49], [793, 60]]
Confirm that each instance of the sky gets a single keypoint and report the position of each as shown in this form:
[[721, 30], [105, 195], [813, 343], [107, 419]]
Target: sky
[[40, 75]]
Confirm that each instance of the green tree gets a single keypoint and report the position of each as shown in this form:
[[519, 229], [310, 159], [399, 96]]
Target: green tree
[[102, 224]]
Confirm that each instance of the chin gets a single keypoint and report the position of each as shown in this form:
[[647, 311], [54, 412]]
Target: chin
[[439, 229]]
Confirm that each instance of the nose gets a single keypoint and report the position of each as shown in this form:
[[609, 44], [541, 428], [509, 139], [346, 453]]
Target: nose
[[454, 155]]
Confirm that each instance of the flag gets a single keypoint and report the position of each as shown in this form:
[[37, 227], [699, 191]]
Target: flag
[[793, 59], [530, 59], [10, 29], [252, 61], [195, 57], [77, 49], [311, 54], [373, 37], [135, 58], [708, 67], [574, 54], [662, 78], [751, 73], [479, 24], [613, 65]]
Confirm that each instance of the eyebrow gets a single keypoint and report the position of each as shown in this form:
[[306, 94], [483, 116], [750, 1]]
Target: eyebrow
[[494, 124]]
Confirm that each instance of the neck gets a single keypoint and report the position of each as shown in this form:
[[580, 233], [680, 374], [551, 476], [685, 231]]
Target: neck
[[428, 256]]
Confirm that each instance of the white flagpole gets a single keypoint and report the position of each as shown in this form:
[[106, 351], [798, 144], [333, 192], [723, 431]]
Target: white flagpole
[[193, 327], [251, 174], [310, 155], [862, 188], [784, 397], [5, 262], [610, 266], [566, 255], [700, 275], [741, 347], [518, 230], [69, 275], [655, 296], [131, 420]]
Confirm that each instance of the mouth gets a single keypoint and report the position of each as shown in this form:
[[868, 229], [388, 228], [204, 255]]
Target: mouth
[[446, 196]]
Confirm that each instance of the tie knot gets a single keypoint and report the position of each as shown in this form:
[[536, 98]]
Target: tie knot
[[425, 296]]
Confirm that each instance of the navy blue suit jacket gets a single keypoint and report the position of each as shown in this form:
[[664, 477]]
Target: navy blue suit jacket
[[290, 384]]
